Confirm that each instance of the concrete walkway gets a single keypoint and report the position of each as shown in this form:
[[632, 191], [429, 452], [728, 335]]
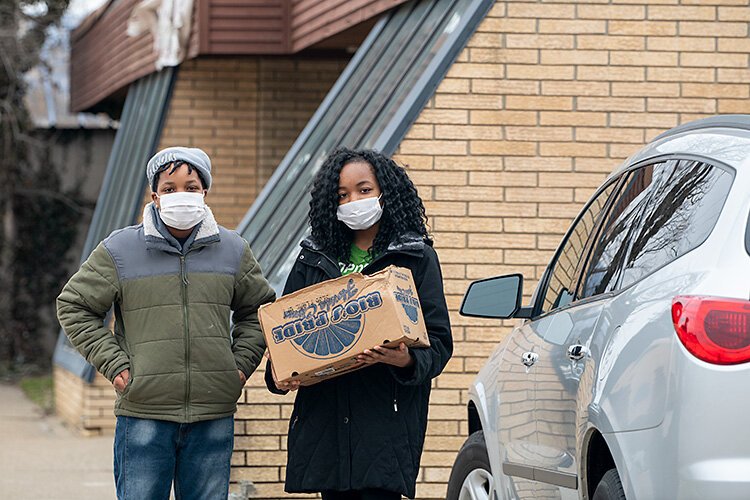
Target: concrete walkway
[[42, 459]]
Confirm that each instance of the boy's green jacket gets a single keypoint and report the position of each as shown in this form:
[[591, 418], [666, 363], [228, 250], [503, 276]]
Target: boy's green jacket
[[172, 317]]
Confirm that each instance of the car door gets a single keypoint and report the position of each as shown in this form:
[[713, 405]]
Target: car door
[[571, 329], [528, 352], [516, 427]]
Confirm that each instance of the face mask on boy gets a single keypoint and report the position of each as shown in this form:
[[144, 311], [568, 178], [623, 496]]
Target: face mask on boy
[[360, 214], [182, 210]]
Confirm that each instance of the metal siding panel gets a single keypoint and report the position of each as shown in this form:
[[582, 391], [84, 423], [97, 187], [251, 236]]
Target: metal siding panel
[[121, 194], [377, 97], [400, 73], [435, 70]]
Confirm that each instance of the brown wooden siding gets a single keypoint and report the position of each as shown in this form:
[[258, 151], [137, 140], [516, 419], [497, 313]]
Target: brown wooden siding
[[281, 26], [314, 20], [105, 60], [194, 45], [245, 27]]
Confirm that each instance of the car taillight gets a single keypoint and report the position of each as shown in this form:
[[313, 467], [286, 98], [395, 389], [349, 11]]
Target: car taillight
[[713, 329]]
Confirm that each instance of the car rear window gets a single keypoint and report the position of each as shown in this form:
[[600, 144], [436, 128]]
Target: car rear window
[[687, 199]]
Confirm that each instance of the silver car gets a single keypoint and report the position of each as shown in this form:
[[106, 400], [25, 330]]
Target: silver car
[[629, 376]]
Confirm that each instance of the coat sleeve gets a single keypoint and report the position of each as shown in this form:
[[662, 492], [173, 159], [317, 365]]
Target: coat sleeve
[[251, 290], [429, 362], [295, 281], [82, 307]]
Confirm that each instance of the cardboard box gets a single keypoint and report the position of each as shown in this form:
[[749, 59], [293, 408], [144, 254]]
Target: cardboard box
[[316, 333]]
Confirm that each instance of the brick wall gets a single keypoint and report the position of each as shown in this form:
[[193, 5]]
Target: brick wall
[[85, 407], [544, 102], [214, 107], [245, 113], [290, 91]]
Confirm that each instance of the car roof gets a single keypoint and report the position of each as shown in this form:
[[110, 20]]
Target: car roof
[[719, 121], [729, 144]]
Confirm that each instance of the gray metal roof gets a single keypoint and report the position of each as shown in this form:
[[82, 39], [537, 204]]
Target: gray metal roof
[[372, 105], [121, 195]]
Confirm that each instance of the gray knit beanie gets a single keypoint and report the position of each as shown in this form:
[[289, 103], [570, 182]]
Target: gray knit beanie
[[194, 156]]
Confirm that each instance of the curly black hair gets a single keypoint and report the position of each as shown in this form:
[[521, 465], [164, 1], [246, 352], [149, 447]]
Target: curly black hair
[[174, 166], [403, 210]]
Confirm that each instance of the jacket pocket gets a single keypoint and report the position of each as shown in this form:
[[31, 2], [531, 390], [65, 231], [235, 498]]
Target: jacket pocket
[[296, 419], [131, 379], [240, 385], [126, 390]]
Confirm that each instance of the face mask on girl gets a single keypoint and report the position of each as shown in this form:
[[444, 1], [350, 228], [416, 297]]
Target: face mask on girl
[[360, 214], [182, 210]]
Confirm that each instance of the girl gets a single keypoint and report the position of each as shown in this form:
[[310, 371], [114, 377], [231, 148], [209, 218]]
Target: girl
[[360, 436]]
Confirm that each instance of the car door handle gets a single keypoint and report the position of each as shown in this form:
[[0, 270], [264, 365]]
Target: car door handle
[[577, 352], [529, 358]]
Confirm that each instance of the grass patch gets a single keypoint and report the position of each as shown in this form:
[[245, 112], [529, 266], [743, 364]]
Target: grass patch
[[40, 391]]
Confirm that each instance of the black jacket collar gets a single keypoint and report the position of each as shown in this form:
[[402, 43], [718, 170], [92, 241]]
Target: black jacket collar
[[406, 243]]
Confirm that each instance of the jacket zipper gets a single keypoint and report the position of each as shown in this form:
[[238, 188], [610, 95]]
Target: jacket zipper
[[395, 396], [294, 422], [186, 318]]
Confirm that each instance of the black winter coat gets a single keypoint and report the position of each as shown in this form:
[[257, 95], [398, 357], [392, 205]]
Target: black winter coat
[[366, 429]]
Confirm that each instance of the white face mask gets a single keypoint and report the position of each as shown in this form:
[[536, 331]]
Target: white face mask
[[182, 210], [360, 214]]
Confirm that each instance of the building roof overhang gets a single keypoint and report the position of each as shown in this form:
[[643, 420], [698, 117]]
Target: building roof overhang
[[105, 60]]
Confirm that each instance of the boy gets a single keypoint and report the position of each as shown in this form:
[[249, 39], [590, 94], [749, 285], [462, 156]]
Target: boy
[[176, 367]]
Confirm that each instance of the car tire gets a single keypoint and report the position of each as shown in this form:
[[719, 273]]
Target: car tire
[[609, 487], [471, 471]]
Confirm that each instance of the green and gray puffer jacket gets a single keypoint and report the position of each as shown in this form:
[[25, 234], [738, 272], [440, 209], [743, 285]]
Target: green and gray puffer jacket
[[172, 309]]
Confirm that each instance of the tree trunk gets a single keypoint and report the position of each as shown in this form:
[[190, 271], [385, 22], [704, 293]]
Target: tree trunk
[[7, 257], [8, 87]]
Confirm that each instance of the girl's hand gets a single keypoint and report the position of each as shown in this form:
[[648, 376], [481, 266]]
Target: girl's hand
[[396, 356], [287, 386], [284, 386]]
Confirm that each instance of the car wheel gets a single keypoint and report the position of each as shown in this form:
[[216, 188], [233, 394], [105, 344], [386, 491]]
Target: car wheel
[[471, 478], [610, 487]]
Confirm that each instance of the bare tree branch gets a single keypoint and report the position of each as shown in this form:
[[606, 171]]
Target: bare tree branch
[[55, 195]]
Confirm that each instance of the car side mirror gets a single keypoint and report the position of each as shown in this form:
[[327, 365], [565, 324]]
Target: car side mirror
[[498, 297]]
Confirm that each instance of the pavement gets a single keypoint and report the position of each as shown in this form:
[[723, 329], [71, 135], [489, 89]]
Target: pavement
[[40, 458]]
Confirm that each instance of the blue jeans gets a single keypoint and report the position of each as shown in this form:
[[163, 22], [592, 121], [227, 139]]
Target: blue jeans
[[150, 454]]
